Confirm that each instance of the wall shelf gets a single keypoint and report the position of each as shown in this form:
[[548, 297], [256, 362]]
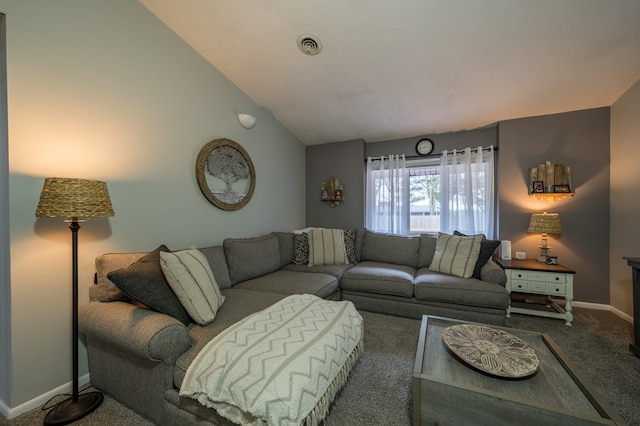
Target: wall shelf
[[550, 181], [551, 196], [332, 191]]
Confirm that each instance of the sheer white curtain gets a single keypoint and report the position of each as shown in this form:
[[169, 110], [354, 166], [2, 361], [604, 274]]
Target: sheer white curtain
[[467, 191], [387, 195]]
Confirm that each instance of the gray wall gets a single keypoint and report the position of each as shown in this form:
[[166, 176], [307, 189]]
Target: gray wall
[[344, 161], [449, 141], [625, 195], [104, 90], [579, 139]]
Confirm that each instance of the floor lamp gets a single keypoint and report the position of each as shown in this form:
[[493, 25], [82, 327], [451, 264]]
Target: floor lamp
[[75, 200]]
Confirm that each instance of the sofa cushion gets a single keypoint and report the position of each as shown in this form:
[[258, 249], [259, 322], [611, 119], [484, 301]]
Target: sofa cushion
[[380, 278], [487, 248], [251, 257], [439, 287], [427, 249], [390, 248], [293, 282], [492, 273], [285, 240], [326, 247], [191, 279], [456, 255], [238, 304], [335, 270], [105, 290], [144, 281], [218, 264]]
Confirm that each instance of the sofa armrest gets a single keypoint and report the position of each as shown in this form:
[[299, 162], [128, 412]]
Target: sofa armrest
[[491, 272], [141, 332]]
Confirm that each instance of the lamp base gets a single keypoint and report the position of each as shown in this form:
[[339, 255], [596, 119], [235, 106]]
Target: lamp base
[[69, 411]]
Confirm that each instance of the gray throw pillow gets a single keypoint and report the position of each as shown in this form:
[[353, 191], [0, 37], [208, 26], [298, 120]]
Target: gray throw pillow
[[144, 281]]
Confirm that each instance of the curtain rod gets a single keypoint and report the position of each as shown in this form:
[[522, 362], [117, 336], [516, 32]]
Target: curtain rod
[[414, 157]]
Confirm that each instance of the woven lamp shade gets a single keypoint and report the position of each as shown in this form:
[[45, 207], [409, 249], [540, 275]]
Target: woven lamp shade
[[545, 223], [74, 198]]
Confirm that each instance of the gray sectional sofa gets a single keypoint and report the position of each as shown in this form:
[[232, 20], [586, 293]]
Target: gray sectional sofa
[[139, 346]]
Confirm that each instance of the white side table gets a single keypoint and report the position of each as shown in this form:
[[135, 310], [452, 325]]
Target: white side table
[[535, 277]]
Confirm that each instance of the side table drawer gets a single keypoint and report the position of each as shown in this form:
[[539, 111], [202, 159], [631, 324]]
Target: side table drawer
[[538, 276], [519, 285], [537, 287], [556, 278], [518, 275], [558, 289]]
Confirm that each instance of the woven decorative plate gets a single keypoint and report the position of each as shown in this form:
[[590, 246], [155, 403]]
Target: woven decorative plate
[[492, 351]]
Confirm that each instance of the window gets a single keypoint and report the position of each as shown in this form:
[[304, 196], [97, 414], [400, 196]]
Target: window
[[424, 197], [453, 192]]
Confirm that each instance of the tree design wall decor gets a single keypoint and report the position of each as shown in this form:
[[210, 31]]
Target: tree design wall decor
[[225, 174]]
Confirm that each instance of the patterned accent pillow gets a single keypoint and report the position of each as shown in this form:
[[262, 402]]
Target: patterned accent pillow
[[301, 249], [350, 244], [456, 255], [191, 279], [326, 247]]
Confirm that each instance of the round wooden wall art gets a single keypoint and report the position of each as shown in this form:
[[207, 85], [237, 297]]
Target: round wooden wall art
[[225, 174]]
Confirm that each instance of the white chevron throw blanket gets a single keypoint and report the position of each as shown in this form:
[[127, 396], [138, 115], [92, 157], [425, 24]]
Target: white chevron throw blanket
[[280, 366]]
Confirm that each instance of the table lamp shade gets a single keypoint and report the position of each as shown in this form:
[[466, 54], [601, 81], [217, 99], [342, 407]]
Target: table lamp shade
[[74, 198], [545, 223]]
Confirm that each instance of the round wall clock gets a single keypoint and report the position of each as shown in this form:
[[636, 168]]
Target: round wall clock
[[424, 146]]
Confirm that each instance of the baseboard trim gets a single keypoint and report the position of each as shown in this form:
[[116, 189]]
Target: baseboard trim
[[601, 307], [36, 402]]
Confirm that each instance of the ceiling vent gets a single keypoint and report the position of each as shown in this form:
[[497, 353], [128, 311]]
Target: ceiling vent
[[309, 44]]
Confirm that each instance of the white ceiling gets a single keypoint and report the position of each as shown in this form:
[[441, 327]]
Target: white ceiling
[[391, 69]]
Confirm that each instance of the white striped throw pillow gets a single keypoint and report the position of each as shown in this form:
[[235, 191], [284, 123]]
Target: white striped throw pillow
[[191, 279], [456, 255], [326, 247]]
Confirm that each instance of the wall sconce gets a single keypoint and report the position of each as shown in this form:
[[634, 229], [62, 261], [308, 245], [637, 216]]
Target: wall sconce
[[332, 191], [247, 121], [545, 223], [550, 181]]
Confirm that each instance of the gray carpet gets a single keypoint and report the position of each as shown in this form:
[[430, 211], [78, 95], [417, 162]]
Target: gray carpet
[[379, 389]]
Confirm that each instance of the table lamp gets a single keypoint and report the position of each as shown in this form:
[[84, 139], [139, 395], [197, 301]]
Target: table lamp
[[76, 200], [544, 223]]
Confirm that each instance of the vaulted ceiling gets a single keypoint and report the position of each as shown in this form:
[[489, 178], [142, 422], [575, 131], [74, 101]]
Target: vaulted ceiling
[[390, 69]]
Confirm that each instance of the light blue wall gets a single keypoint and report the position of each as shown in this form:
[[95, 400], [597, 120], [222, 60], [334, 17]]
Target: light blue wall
[[103, 90]]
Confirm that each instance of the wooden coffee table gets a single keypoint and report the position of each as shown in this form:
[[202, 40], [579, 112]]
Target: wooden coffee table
[[446, 391]]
